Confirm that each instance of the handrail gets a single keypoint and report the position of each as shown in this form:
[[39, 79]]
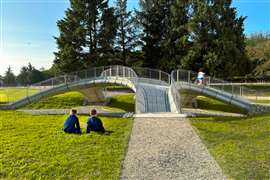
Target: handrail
[[185, 76], [145, 74]]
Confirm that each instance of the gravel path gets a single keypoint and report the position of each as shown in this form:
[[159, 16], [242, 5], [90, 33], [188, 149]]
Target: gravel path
[[161, 149]]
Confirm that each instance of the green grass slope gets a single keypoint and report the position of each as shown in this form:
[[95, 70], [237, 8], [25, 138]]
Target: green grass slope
[[241, 146], [13, 94], [61, 101], [34, 147], [210, 104]]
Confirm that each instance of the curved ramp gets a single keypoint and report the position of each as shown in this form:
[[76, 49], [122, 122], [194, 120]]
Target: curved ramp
[[217, 89], [151, 91]]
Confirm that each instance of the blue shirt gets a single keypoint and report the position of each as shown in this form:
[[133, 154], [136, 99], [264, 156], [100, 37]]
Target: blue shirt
[[95, 122], [71, 123]]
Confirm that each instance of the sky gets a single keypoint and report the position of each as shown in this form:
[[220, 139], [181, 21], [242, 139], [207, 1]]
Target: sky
[[27, 28]]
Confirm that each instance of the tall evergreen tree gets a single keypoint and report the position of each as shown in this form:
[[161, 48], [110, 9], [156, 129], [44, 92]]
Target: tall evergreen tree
[[217, 38], [176, 43], [107, 36], [9, 78], [86, 34], [152, 18], [71, 42], [126, 32]]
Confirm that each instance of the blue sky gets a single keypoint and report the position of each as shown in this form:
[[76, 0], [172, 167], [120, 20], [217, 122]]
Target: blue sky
[[27, 28]]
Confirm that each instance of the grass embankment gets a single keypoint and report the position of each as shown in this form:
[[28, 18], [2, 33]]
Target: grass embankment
[[241, 146], [210, 104], [61, 101], [75, 99], [122, 103], [13, 94], [34, 147]]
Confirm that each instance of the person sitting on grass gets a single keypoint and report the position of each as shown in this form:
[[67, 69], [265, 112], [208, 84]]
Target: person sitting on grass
[[94, 123], [72, 124]]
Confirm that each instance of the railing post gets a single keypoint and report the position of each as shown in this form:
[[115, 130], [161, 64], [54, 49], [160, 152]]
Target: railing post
[[110, 71], [159, 74], [117, 70], [124, 71], [177, 75], [188, 76], [65, 78]]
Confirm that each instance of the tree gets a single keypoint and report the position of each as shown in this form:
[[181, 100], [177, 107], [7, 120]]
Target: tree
[[106, 37], [176, 43], [9, 78], [258, 51], [71, 39], [23, 77], [29, 75], [87, 35], [152, 18], [126, 32], [218, 41]]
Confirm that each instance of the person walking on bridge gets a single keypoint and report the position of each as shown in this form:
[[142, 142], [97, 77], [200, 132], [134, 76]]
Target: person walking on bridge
[[200, 77]]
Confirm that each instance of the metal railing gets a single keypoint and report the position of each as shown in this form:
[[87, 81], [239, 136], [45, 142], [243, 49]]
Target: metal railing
[[143, 74], [184, 76], [153, 76]]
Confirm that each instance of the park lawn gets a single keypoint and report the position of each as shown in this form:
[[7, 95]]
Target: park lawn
[[263, 101], [34, 147], [14, 94], [60, 101], [211, 104], [122, 103], [74, 99], [241, 146]]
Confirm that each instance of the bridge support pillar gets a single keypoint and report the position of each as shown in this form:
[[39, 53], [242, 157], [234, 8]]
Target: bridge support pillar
[[94, 94]]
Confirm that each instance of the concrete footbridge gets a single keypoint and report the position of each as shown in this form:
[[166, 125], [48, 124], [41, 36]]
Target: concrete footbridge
[[155, 91]]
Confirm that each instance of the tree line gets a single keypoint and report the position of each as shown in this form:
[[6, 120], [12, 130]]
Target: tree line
[[28, 75], [163, 34]]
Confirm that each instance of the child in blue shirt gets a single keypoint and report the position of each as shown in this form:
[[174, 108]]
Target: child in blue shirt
[[94, 123], [72, 124]]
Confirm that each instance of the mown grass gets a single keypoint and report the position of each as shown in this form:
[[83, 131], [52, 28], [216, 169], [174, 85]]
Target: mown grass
[[241, 146], [61, 101], [75, 99], [122, 103], [13, 94], [210, 104], [34, 147]]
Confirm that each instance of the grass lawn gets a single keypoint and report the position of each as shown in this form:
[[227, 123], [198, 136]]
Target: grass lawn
[[34, 147], [241, 146], [75, 99], [61, 101], [210, 104], [13, 94], [122, 103]]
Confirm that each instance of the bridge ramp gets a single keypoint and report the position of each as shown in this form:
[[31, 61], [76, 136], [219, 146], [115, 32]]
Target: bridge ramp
[[153, 98]]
